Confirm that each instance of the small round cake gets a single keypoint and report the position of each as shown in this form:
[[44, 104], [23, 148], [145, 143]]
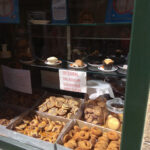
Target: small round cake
[[79, 63], [52, 60], [113, 123], [108, 64]]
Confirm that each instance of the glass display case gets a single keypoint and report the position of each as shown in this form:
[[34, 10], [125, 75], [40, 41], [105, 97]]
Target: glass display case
[[83, 43]]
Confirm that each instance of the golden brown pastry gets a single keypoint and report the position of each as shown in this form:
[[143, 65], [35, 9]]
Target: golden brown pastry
[[85, 144], [113, 123], [95, 111], [60, 106], [112, 135], [41, 128], [87, 138], [79, 63]]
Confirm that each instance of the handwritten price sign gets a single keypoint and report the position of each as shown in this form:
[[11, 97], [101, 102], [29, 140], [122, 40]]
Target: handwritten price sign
[[72, 81]]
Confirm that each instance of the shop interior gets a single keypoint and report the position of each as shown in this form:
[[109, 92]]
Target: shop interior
[[63, 73]]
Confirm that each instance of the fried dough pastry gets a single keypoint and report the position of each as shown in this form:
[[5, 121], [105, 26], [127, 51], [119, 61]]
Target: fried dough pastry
[[41, 128], [91, 138]]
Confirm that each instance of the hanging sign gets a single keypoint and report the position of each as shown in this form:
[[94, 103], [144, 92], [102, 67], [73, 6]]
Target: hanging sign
[[9, 11], [59, 11], [119, 11], [17, 79], [72, 80]]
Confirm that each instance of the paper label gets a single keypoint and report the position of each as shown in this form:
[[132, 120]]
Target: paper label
[[59, 9], [17, 79], [73, 81]]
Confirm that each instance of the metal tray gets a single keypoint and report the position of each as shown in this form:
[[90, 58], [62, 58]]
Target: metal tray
[[78, 114], [30, 140], [59, 143], [17, 109], [5, 90]]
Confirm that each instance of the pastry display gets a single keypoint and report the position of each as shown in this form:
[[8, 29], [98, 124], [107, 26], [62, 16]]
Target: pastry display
[[115, 119], [52, 60], [91, 138], [20, 99], [113, 123], [6, 115], [108, 64], [41, 128], [123, 69], [95, 111], [60, 106], [78, 64]]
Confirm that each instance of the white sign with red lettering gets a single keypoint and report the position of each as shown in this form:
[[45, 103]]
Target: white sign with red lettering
[[73, 80], [17, 79]]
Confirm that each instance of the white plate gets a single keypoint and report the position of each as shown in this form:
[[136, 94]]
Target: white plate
[[27, 62], [39, 21], [93, 65], [122, 67], [112, 70], [85, 65], [51, 64]]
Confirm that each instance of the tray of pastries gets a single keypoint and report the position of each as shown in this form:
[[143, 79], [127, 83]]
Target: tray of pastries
[[9, 113], [63, 106], [37, 129], [21, 99], [96, 112], [85, 136]]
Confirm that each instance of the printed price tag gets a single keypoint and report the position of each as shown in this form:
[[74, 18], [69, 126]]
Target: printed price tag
[[73, 81], [17, 79]]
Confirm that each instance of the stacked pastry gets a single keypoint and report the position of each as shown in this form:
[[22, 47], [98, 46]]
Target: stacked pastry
[[20, 99], [41, 128], [93, 138], [60, 106], [95, 111], [6, 115]]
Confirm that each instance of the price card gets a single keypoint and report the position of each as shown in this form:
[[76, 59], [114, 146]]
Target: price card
[[17, 79], [59, 11], [73, 80]]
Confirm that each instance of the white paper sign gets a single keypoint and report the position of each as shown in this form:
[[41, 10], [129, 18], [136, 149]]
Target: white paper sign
[[59, 9], [72, 80], [17, 79]]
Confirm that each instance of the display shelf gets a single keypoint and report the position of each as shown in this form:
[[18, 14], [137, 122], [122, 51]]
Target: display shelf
[[82, 24], [64, 65], [80, 38], [49, 37], [99, 38]]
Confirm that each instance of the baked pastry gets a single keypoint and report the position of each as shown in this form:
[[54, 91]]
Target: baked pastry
[[95, 111], [41, 128], [52, 60], [113, 123], [91, 138], [108, 64], [21, 99], [78, 63], [60, 106], [7, 114]]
